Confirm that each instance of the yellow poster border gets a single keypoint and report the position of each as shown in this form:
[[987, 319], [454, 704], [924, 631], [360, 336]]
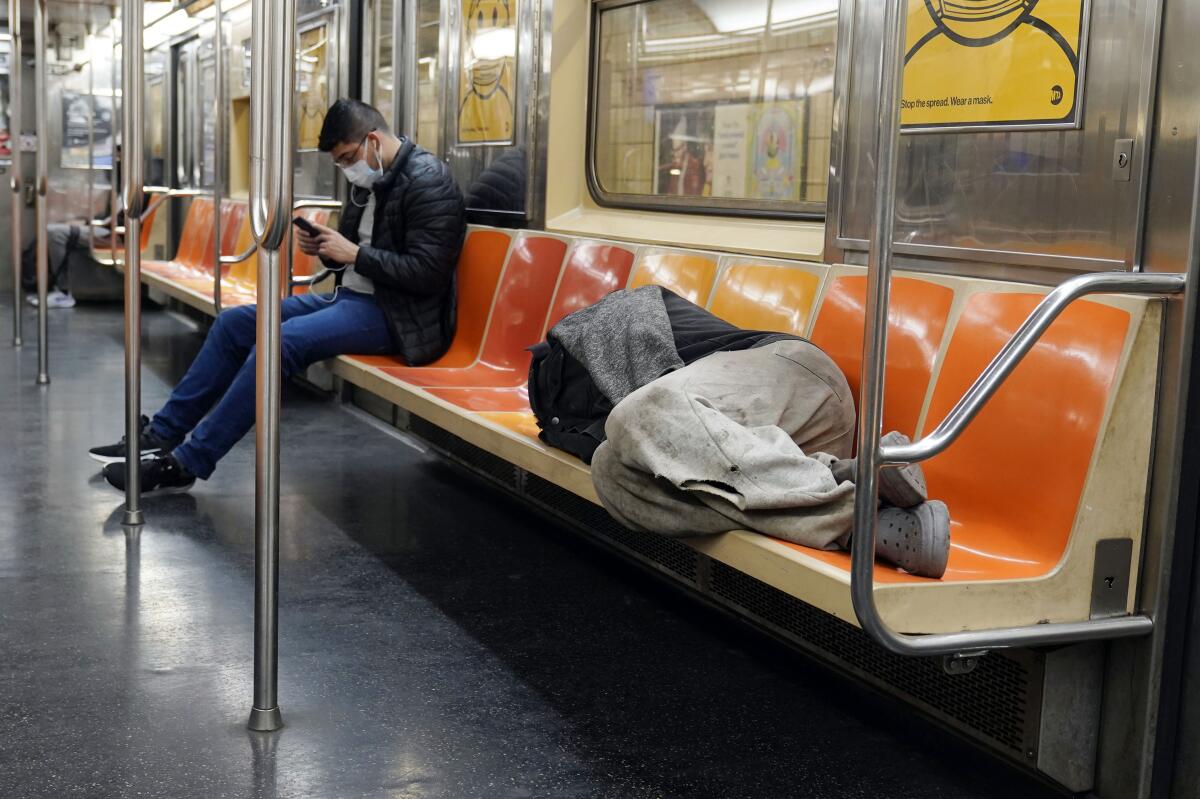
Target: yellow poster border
[[1074, 122]]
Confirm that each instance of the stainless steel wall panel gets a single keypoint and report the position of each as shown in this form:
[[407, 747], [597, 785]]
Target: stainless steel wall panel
[[1048, 194]]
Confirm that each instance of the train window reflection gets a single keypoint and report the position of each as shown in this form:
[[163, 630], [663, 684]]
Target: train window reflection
[[427, 126], [714, 104], [312, 84]]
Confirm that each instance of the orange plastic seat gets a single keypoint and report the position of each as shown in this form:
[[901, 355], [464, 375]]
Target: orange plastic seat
[[593, 271], [239, 284], [233, 219], [148, 222], [307, 265], [479, 267], [517, 321], [523, 423], [503, 399], [690, 275], [195, 239], [1014, 478], [766, 297], [916, 323]]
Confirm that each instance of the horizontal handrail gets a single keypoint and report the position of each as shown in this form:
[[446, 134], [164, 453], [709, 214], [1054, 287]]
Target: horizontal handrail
[[302, 204], [310, 280], [164, 194], [1017, 347], [242, 256]]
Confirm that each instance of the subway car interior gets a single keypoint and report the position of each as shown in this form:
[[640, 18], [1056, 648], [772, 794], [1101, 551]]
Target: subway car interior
[[612, 398]]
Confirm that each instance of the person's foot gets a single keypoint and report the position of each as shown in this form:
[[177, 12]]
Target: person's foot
[[902, 486], [915, 539], [160, 474], [54, 299], [151, 445]]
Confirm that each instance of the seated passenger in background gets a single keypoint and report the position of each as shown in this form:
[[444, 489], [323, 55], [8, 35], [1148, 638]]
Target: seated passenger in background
[[62, 239], [395, 252]]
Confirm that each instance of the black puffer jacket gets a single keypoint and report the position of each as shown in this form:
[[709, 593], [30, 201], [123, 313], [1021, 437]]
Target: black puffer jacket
[[413, 255]]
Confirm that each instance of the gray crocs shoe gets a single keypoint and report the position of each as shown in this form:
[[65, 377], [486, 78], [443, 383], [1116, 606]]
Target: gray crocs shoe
[[915, 539], [901, 486]]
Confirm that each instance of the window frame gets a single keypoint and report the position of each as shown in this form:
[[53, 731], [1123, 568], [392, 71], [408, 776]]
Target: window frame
[[707, 206]]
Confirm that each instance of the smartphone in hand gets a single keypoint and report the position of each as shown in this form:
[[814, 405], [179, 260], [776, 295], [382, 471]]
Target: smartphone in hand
[[305, 225]]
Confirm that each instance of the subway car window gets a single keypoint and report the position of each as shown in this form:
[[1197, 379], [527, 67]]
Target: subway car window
[[714, 105]]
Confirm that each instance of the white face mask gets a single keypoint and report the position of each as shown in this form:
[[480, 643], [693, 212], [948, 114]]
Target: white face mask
[[362, 174]]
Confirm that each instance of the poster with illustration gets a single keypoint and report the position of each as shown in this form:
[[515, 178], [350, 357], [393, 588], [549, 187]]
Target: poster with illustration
[[772, 162], [312, 84], [81, 113], [993, 64], [487, 75], [684, 160]]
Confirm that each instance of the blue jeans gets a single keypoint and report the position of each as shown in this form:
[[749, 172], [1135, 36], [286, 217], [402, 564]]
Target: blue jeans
[[223, 373]]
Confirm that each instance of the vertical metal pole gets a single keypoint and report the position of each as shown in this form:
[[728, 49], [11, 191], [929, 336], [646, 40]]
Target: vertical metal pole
[[14, 122], [272, 126], [879, 281], [132, 102], [43, 141], [90, 197], [405, 69], [114, 188], [218, 146]]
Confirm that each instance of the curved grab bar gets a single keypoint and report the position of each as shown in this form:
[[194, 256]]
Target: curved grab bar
[[1017, 347], [163, 194], [334, 205], [244, 255], [871, 457], [310, 280]]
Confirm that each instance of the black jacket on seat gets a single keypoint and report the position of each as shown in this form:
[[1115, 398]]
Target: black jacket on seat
[[413, 256]]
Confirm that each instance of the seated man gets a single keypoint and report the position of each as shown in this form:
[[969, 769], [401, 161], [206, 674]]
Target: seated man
[[396, 250], [63, 239]]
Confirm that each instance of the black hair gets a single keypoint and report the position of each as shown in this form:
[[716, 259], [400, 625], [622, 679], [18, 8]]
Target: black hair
[[348, 122]]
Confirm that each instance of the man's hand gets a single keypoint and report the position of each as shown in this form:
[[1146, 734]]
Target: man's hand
[[334, 246], [309, 245]]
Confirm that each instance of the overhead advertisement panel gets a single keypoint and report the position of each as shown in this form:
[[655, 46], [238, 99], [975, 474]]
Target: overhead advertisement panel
[[994, 64]]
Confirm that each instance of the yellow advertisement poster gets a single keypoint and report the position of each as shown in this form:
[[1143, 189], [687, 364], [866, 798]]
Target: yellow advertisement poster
[[993, 63], [312, 85], [487, 77]]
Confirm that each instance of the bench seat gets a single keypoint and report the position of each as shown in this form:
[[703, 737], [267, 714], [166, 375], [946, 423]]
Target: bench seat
[[1036, 483], [189, 276], [1085, 389]]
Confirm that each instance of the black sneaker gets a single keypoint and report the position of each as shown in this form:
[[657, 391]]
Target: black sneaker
[[151, 445], [159, 474]]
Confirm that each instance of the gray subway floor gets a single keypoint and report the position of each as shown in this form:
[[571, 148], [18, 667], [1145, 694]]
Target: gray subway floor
[[437, 638]]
